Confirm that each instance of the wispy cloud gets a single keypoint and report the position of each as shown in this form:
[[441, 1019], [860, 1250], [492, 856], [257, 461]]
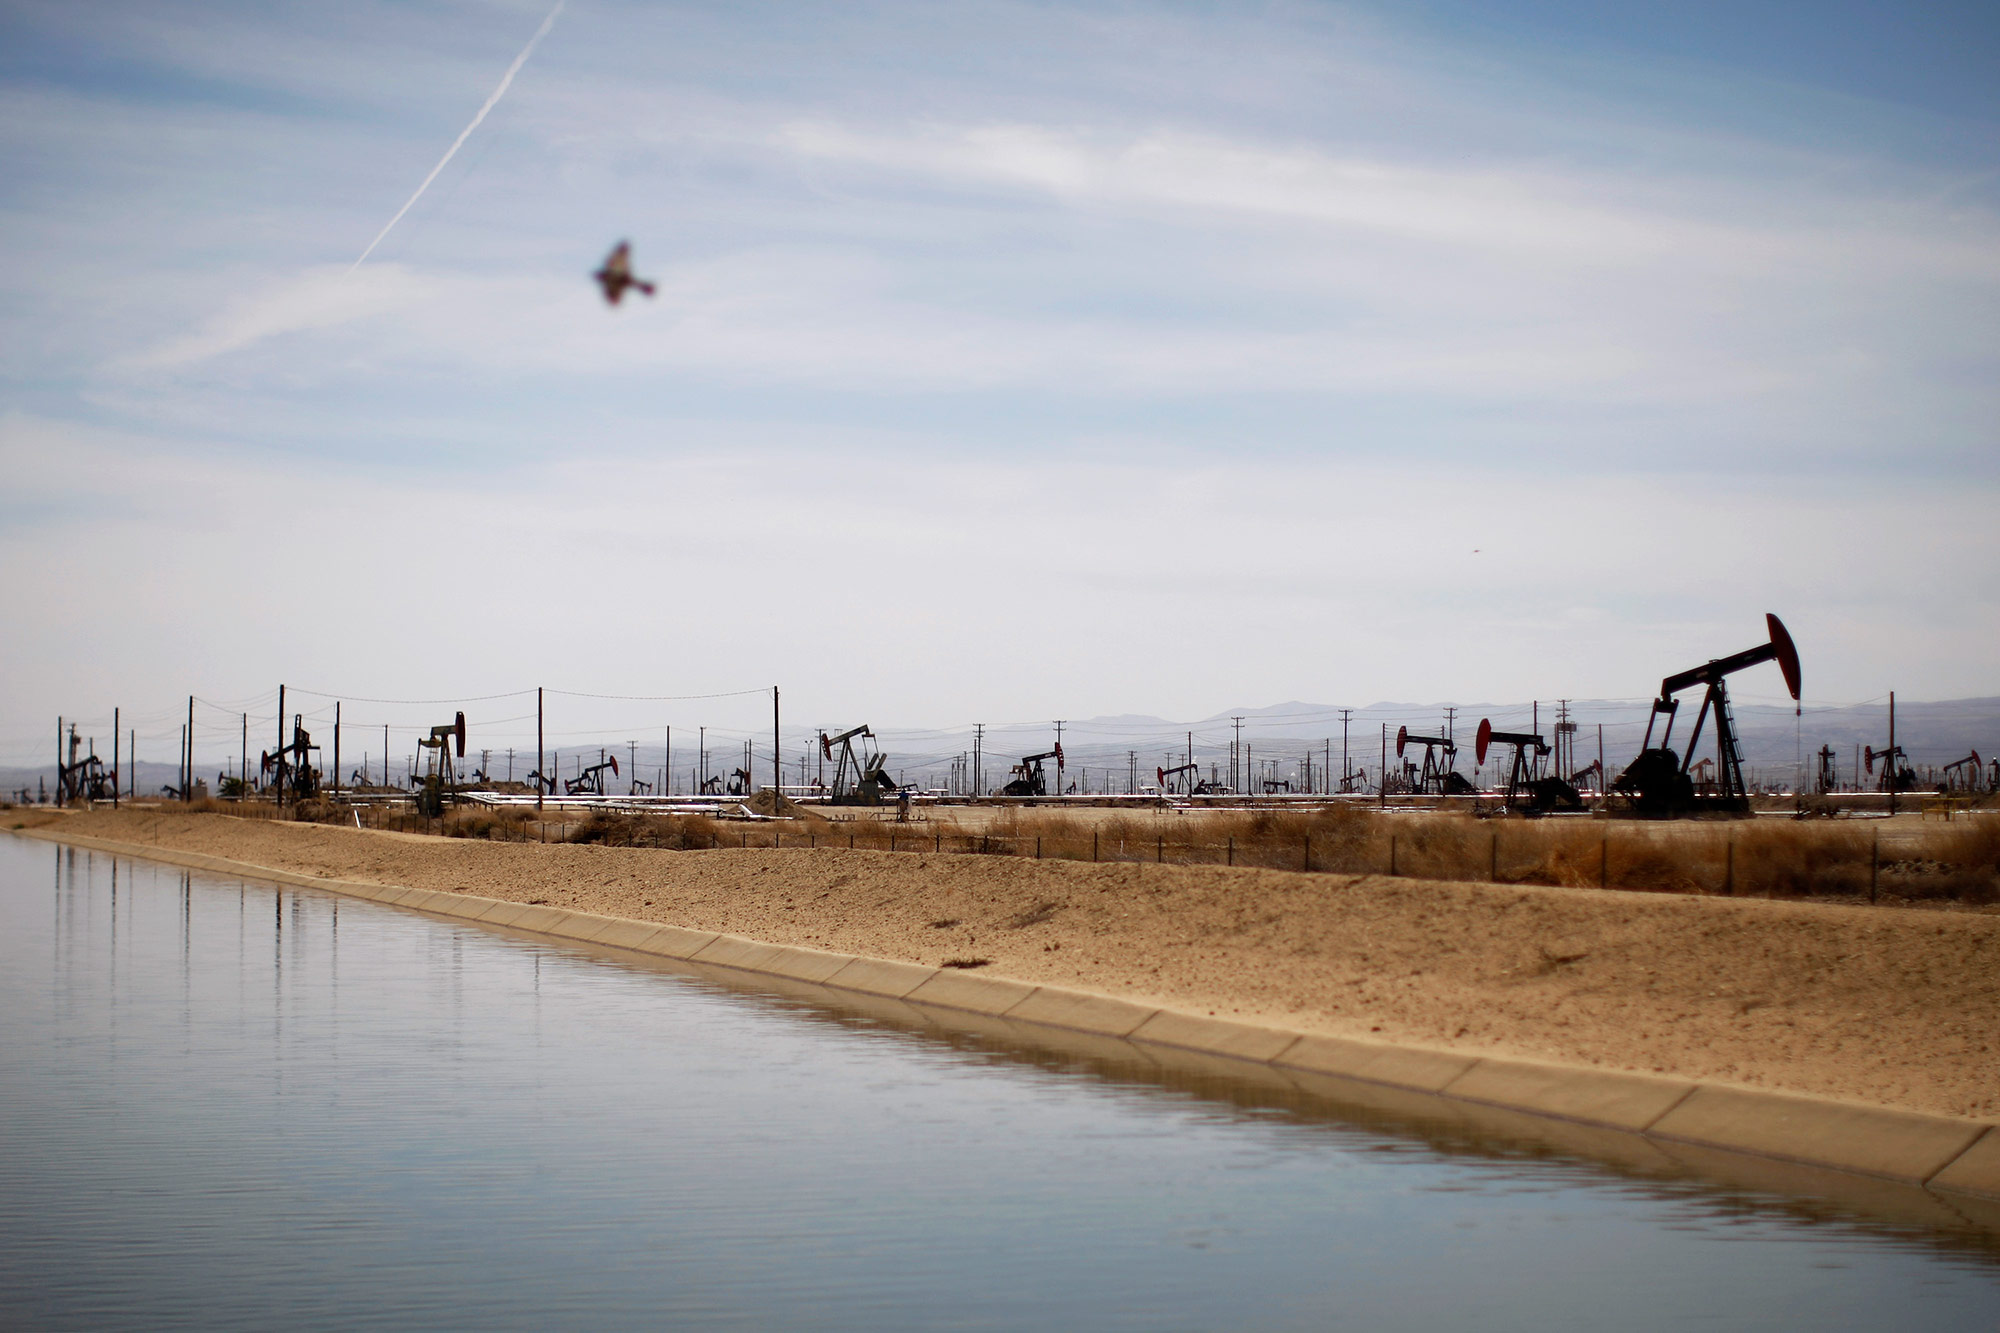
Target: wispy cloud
[[322, 298]]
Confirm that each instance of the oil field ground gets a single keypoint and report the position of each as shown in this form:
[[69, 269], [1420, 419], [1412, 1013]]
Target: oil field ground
[[1887, 1005]]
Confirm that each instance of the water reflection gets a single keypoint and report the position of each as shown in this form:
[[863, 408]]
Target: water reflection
[[442, 1125]]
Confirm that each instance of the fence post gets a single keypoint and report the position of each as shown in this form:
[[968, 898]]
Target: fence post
[[1159, 847], [850, 840], [937, 842], [892, 840], [1093, 846], [1232, 849]]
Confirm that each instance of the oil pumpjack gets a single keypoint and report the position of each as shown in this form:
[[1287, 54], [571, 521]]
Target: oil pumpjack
[[590, 781], [439, 783], [1529, 789], [84, 779], [858, 778], [1439, 775], [1186, 780], [1657, 784], [293, 763], [1972, 768], [1897, 775], [1029, 779]]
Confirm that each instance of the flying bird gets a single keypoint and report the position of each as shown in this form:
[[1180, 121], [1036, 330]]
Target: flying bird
[[616, 275]]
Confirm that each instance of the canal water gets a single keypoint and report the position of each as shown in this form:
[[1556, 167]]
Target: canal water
[[226, 1105]]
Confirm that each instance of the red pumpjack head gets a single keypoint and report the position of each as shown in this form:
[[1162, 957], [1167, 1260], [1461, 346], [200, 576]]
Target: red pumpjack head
[[1787, 651]]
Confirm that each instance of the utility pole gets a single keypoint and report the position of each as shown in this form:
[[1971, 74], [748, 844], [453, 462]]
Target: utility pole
[[336, 745], [1383, 785], [701, 771], [187, 792], [978, 741], [1236, 757], [1059, 757], [1132, 778], [132, 785], [667, 788], [1892, 752], [777, 750], [114, 757], [281, 745], [246, 755], [541, 768]]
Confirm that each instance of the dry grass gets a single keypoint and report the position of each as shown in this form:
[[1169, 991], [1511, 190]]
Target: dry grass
[[680, 833], [1758, 858], [1956, 862]]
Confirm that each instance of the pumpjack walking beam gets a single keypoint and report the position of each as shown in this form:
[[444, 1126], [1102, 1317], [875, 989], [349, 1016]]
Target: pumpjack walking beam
[[1657, 782]]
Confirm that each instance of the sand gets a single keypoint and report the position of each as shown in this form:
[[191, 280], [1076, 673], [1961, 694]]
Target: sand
[[1894, 1008]]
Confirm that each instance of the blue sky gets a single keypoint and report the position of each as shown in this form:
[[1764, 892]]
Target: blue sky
[[1009, 360]]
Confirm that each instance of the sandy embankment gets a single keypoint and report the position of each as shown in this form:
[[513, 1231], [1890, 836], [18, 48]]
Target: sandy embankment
[[1896, 1008]]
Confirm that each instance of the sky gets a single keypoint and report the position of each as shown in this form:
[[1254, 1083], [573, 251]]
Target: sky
[[1009, 361]]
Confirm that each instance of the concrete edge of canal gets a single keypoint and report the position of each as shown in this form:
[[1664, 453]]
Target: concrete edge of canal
[[1881, 1160]]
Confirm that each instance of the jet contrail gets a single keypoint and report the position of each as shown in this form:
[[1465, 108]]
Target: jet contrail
[[466, 133]]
